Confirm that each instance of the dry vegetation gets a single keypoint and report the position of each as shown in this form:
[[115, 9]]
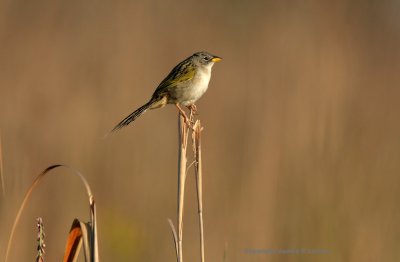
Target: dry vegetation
[[301, 148]]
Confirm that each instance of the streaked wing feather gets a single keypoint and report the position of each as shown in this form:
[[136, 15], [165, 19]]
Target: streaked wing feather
[[184, 71]]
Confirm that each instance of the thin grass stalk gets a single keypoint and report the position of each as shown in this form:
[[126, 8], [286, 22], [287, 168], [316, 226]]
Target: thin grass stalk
[[199, 182], [29, 192], [182, 162]]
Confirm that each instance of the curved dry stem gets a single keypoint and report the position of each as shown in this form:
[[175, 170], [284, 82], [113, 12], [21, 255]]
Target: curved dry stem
[[175, 236], [33, 186]]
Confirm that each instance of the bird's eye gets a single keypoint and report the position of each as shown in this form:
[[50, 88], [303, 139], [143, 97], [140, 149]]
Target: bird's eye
[[206, 58]]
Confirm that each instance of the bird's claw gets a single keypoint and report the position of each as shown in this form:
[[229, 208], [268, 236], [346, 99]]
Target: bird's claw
[[193, 109]]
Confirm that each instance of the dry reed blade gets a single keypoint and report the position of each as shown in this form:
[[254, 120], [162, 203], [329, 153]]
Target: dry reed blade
[[80, 233], [37, 180], [74, 242]]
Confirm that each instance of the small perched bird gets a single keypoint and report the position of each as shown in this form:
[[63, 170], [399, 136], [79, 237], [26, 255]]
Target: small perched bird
[[184, 85]]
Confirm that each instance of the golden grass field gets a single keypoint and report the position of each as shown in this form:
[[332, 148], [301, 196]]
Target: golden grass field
[[301, 146]]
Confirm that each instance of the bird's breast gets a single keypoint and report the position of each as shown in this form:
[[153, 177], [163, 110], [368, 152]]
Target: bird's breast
[[189, 92], [200, 84]]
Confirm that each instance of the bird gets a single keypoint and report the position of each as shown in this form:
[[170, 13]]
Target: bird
[[183, 86]]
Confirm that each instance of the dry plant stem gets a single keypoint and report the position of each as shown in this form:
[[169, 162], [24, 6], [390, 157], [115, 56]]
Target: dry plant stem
[[28, 194], [184, 124], [199, 184], [182, 160]]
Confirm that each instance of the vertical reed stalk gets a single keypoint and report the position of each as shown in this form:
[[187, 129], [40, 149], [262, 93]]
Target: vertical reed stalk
[[183, 134], [199, 183], [182, 162]]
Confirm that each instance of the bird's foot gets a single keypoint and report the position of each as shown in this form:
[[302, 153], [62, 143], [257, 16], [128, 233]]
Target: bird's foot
[[193, 109], [188, 121]]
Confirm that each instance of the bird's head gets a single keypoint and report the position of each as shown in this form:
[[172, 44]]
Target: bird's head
[[205, 58]]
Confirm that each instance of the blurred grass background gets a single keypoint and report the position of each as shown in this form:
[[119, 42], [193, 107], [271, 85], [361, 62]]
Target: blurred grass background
[[301, 143]]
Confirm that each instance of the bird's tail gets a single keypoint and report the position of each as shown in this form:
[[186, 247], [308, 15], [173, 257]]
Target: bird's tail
[[132, 117]]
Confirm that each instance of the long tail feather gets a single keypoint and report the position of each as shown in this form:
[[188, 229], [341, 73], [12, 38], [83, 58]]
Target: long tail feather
[[132, 117]]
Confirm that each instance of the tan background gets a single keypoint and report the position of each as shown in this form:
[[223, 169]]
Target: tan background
[[301, 143]]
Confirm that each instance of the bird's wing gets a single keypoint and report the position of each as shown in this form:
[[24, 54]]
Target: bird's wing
[[184, 71]]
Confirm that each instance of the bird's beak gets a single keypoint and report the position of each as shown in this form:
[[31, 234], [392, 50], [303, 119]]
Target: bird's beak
[[216, 59]]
